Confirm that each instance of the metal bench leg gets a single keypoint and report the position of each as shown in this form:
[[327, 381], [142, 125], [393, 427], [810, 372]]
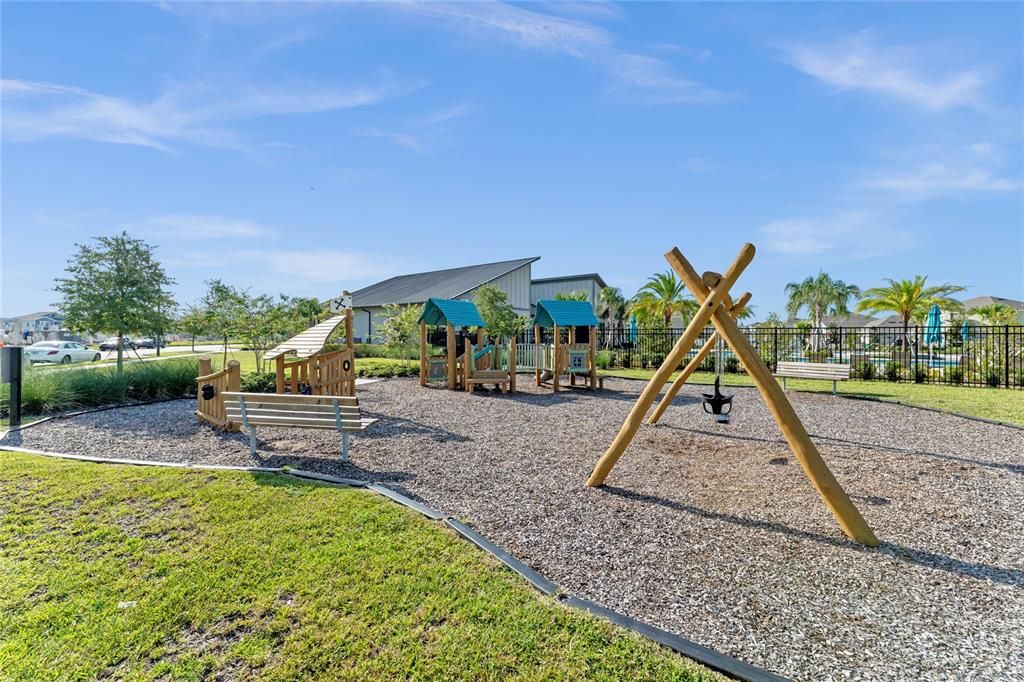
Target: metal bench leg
[[252, 441], [783, 383], [833, 387], [344, 446]]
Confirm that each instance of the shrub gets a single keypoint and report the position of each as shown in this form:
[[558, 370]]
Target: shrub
[[731, 365], [47, 390], [604, 359], [818, 355], [955, 375], [865, 370], [259, 382], [893, 371], [919, 374], [993, 377], [1020, 377]]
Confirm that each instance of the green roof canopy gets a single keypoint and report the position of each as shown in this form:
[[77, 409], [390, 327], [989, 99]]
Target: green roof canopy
[[458, 313], [565, 314]]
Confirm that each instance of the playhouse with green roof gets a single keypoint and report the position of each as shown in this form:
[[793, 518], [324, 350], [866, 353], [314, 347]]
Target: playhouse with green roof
[[480, 363], [572, 352]]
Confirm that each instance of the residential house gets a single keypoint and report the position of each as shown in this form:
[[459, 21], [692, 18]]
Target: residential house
[[28, 329], [981, 301]]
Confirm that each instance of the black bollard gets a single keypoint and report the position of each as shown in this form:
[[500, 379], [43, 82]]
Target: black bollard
[[10, 373]]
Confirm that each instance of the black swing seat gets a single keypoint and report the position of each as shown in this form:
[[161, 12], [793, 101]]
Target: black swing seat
[[719, 403]]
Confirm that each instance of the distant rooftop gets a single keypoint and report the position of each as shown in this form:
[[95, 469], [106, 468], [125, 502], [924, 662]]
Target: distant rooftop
[[589, 275], [421, 286]]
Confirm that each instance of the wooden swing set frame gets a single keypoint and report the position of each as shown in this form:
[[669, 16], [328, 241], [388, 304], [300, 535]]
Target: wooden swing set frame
[[711, 290]]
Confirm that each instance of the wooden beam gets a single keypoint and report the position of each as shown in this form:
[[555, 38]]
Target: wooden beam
[[693, 364], [675, 356], [452, 350], [849, 518], [512, 365], [554, 360], [593, 358], [538, 358]]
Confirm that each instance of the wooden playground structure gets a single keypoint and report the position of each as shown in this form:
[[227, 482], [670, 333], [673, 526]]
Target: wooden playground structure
[[310, 372], [479, 364], [550, 362], [711, 291]]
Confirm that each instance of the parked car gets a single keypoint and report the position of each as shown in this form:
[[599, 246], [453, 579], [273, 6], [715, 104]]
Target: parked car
[[64, 352], [149, 343], [111, 344]]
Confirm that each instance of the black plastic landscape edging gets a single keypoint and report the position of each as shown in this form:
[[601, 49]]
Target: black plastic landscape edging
[[698, 653], [706, 656], [531, 576], [406, 501]]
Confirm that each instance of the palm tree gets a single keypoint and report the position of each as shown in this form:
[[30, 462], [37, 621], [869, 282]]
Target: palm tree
[[996, 313], [821, 295], [611, 308], [662, 296], [572, 296], [907, 297]]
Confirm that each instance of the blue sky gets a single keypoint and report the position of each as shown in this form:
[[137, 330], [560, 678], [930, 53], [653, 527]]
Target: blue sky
[[307, 148]]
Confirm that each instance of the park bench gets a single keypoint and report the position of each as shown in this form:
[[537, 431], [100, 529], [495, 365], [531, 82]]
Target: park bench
[[296, 411], [813, 370]]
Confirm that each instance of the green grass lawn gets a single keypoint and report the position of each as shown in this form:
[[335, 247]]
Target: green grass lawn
[[1003, 404], [147, 573]]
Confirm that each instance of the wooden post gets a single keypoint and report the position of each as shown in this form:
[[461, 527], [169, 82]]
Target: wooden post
[[205, 367], [424, 356], [467, 367], [538, 358], [675, 356], [572, 342], [348, 327], [512, 365], [849, 518], [554, 360], [451, 357], [593, 358], [279, 371], [234, 376], [693, 364]]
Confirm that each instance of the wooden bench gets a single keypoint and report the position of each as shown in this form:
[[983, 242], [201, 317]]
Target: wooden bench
[[297, 411], [813, 370]]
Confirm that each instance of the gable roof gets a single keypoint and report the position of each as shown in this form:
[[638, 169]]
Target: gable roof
[[565, 314], [979, 301], [309, 342], [459, 313], [421, 286], [590, 275]]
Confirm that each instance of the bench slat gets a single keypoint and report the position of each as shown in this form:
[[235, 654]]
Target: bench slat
[[289, 398], [813, 370], [292, 408], [284, 414], [302, 422]]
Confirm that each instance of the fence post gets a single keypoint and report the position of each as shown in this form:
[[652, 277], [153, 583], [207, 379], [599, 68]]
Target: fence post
[[775, 349], [234, 376], [1006, 355], [840, 345], [10, 372]]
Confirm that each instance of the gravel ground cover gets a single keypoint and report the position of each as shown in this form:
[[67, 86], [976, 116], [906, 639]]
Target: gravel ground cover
[[710, 531]]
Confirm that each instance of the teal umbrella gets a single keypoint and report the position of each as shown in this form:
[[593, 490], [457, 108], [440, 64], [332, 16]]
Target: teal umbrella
[[965, 332], [632, 328], [933, 327]]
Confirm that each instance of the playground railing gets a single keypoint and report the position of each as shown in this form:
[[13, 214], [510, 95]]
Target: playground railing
[[210, 389]]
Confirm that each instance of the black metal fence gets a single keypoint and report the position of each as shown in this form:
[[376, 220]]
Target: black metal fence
[[976, 355]]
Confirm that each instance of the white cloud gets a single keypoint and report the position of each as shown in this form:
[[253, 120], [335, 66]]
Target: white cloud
[[196, 226], [858, 64], [854, 234], [697, 55], [697, 164], [401, 139], [978, 167], [645, 78], [196, 113]]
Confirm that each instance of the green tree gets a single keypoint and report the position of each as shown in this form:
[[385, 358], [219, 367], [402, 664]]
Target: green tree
[[996, 314], [906, 297], [194, 322], [662, 296], [773, 320], [821, 295], [222, 304], [398, 330], [309, 310], [116, 286], [262, 322], [612, 310], [500, 318], [572, 296]]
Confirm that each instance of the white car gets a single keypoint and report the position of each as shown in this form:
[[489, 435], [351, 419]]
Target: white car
[[64, 352]]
